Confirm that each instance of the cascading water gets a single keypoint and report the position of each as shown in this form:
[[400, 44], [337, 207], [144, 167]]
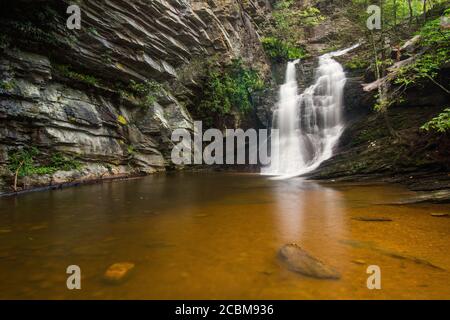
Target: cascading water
[[310, 124]]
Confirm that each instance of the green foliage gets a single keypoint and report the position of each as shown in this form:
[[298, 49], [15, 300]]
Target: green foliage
[[23, 161], [7, 85], [27, 30], [66, 71], [107, 58], [394, 11], [357, 63], [93, 31], [59, 162], [148, 90], [34, 25], [131, 150], [436, 41], [286, 17], [440, 124], [286, 29], [229, 89], [4, 41], [146, 93], [279, 50]]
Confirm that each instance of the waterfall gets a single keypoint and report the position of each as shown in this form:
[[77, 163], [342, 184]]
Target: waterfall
[[309, 124]]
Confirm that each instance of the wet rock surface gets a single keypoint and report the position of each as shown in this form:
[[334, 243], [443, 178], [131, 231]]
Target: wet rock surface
[[298, 260]]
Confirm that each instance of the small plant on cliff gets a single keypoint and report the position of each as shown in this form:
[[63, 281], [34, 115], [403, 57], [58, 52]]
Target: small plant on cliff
[[22, 163], [440, 124], [7, 85], [67, 72], [148, 90], [59, 162]]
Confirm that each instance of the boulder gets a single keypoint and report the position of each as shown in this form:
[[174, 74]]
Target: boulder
[[298, 260]]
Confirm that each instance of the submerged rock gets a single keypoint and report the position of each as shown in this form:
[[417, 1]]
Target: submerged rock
[[300, 261], [389, 253], [440, 215], [372, 219], [118, 272]]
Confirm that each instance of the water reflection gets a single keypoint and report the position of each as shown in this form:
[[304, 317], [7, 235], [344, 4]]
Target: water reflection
[[212, 235], [303, 206], [314, 217]]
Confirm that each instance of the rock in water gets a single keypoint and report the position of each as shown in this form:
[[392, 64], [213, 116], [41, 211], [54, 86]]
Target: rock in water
[[359, 261], [372, 219], [118, 272], [440, 215], [298, 260]]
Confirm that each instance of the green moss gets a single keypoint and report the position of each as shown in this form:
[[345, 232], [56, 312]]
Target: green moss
[[67, 72], [107, 58], [357, 63], [331, 48], [7, 85], [131, 150], [92, 31]]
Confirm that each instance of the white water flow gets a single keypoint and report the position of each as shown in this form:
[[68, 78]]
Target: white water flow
[[309, 124]]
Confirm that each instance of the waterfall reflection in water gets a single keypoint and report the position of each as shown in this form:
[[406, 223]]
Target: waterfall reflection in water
[[216, 236], [304, 205]]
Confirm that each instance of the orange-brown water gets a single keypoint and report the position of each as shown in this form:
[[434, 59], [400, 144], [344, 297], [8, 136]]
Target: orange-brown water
[[215, 236]]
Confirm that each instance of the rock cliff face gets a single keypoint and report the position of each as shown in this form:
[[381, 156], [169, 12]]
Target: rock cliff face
[[65, 92]]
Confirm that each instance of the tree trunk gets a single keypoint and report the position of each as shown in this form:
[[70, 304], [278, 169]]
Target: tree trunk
[[17, 175], [382, 96], [410, 11], [424, 11], [395, 13]]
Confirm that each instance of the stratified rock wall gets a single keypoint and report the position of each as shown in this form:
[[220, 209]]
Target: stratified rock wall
[[166, 41]]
